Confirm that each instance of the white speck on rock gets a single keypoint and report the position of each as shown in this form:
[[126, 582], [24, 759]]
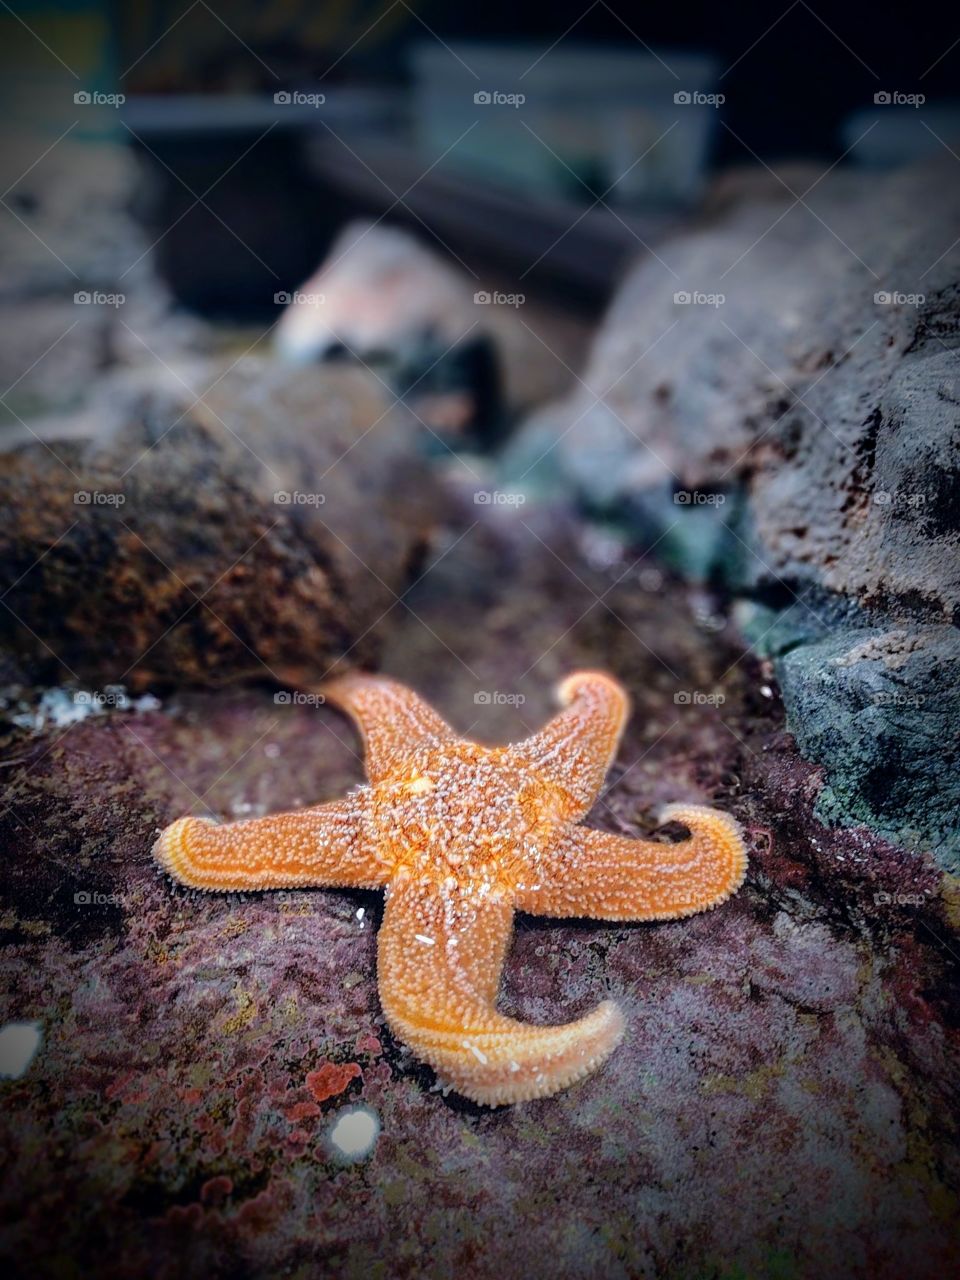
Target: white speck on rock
[[427, 942], [354, 1133], [19, 1042]]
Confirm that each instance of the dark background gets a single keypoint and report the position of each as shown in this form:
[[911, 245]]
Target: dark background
[[794, 70], [791, 73]]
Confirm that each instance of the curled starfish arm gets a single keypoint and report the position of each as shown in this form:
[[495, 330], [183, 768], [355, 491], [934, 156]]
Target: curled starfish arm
[[610, 877], [577, 747], [440, 956], [390, 717], [321, 846]]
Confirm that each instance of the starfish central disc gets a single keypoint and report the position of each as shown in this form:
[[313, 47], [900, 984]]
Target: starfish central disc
[[462, 813]]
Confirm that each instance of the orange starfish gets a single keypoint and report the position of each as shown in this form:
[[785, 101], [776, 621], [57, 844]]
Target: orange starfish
[[461, 836]]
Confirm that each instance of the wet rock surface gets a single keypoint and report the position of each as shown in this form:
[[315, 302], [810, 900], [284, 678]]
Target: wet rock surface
[[772, 401], [895, 689], [782, 1104], [232, 529]]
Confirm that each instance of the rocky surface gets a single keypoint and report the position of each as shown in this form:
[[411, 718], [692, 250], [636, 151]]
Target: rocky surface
[[78, 295], [772, 401], [470, 352], [880, 704], [783, 1104], [215, 531]]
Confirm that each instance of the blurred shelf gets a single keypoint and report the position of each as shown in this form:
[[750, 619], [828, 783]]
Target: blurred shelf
[[350, 157], [168, 115], [559, 243]]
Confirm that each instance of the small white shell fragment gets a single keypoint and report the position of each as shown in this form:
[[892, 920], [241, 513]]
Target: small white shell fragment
[[19, 1042], [354, 1133]]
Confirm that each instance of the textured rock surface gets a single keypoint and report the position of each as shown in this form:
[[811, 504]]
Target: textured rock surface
[[790, 430], [782, 1105], [899, 690], [196, 540]]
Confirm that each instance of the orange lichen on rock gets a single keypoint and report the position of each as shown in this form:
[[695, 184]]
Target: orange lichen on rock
[[332, 1078], [461, 836], [302, 1111]]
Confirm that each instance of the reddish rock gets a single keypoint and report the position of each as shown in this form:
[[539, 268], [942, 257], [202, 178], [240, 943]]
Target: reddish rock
[[332, 1078]]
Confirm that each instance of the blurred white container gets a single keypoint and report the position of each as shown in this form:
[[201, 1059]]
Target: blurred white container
[[596, 111]]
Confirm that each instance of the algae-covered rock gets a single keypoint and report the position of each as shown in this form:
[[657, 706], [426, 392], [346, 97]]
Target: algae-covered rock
[[881, 708], [201, 537]]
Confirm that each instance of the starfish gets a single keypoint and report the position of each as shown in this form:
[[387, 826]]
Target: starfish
[[461, 836]]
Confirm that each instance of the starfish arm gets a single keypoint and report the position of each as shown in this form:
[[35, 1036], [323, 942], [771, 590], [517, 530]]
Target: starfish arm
[[440, 956], [391, 719], [577, 747], [320, 846], [611, 877]]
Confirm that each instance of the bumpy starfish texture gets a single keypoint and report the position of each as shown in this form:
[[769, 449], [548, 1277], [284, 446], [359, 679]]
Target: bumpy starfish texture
[[461, 836]]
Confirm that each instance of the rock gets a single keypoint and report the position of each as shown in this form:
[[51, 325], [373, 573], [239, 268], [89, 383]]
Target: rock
[[70, 226], [201, 1055], [78, 294], [464, 352], [54, 349], [772, 403], [214, 534], [883, 707]]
